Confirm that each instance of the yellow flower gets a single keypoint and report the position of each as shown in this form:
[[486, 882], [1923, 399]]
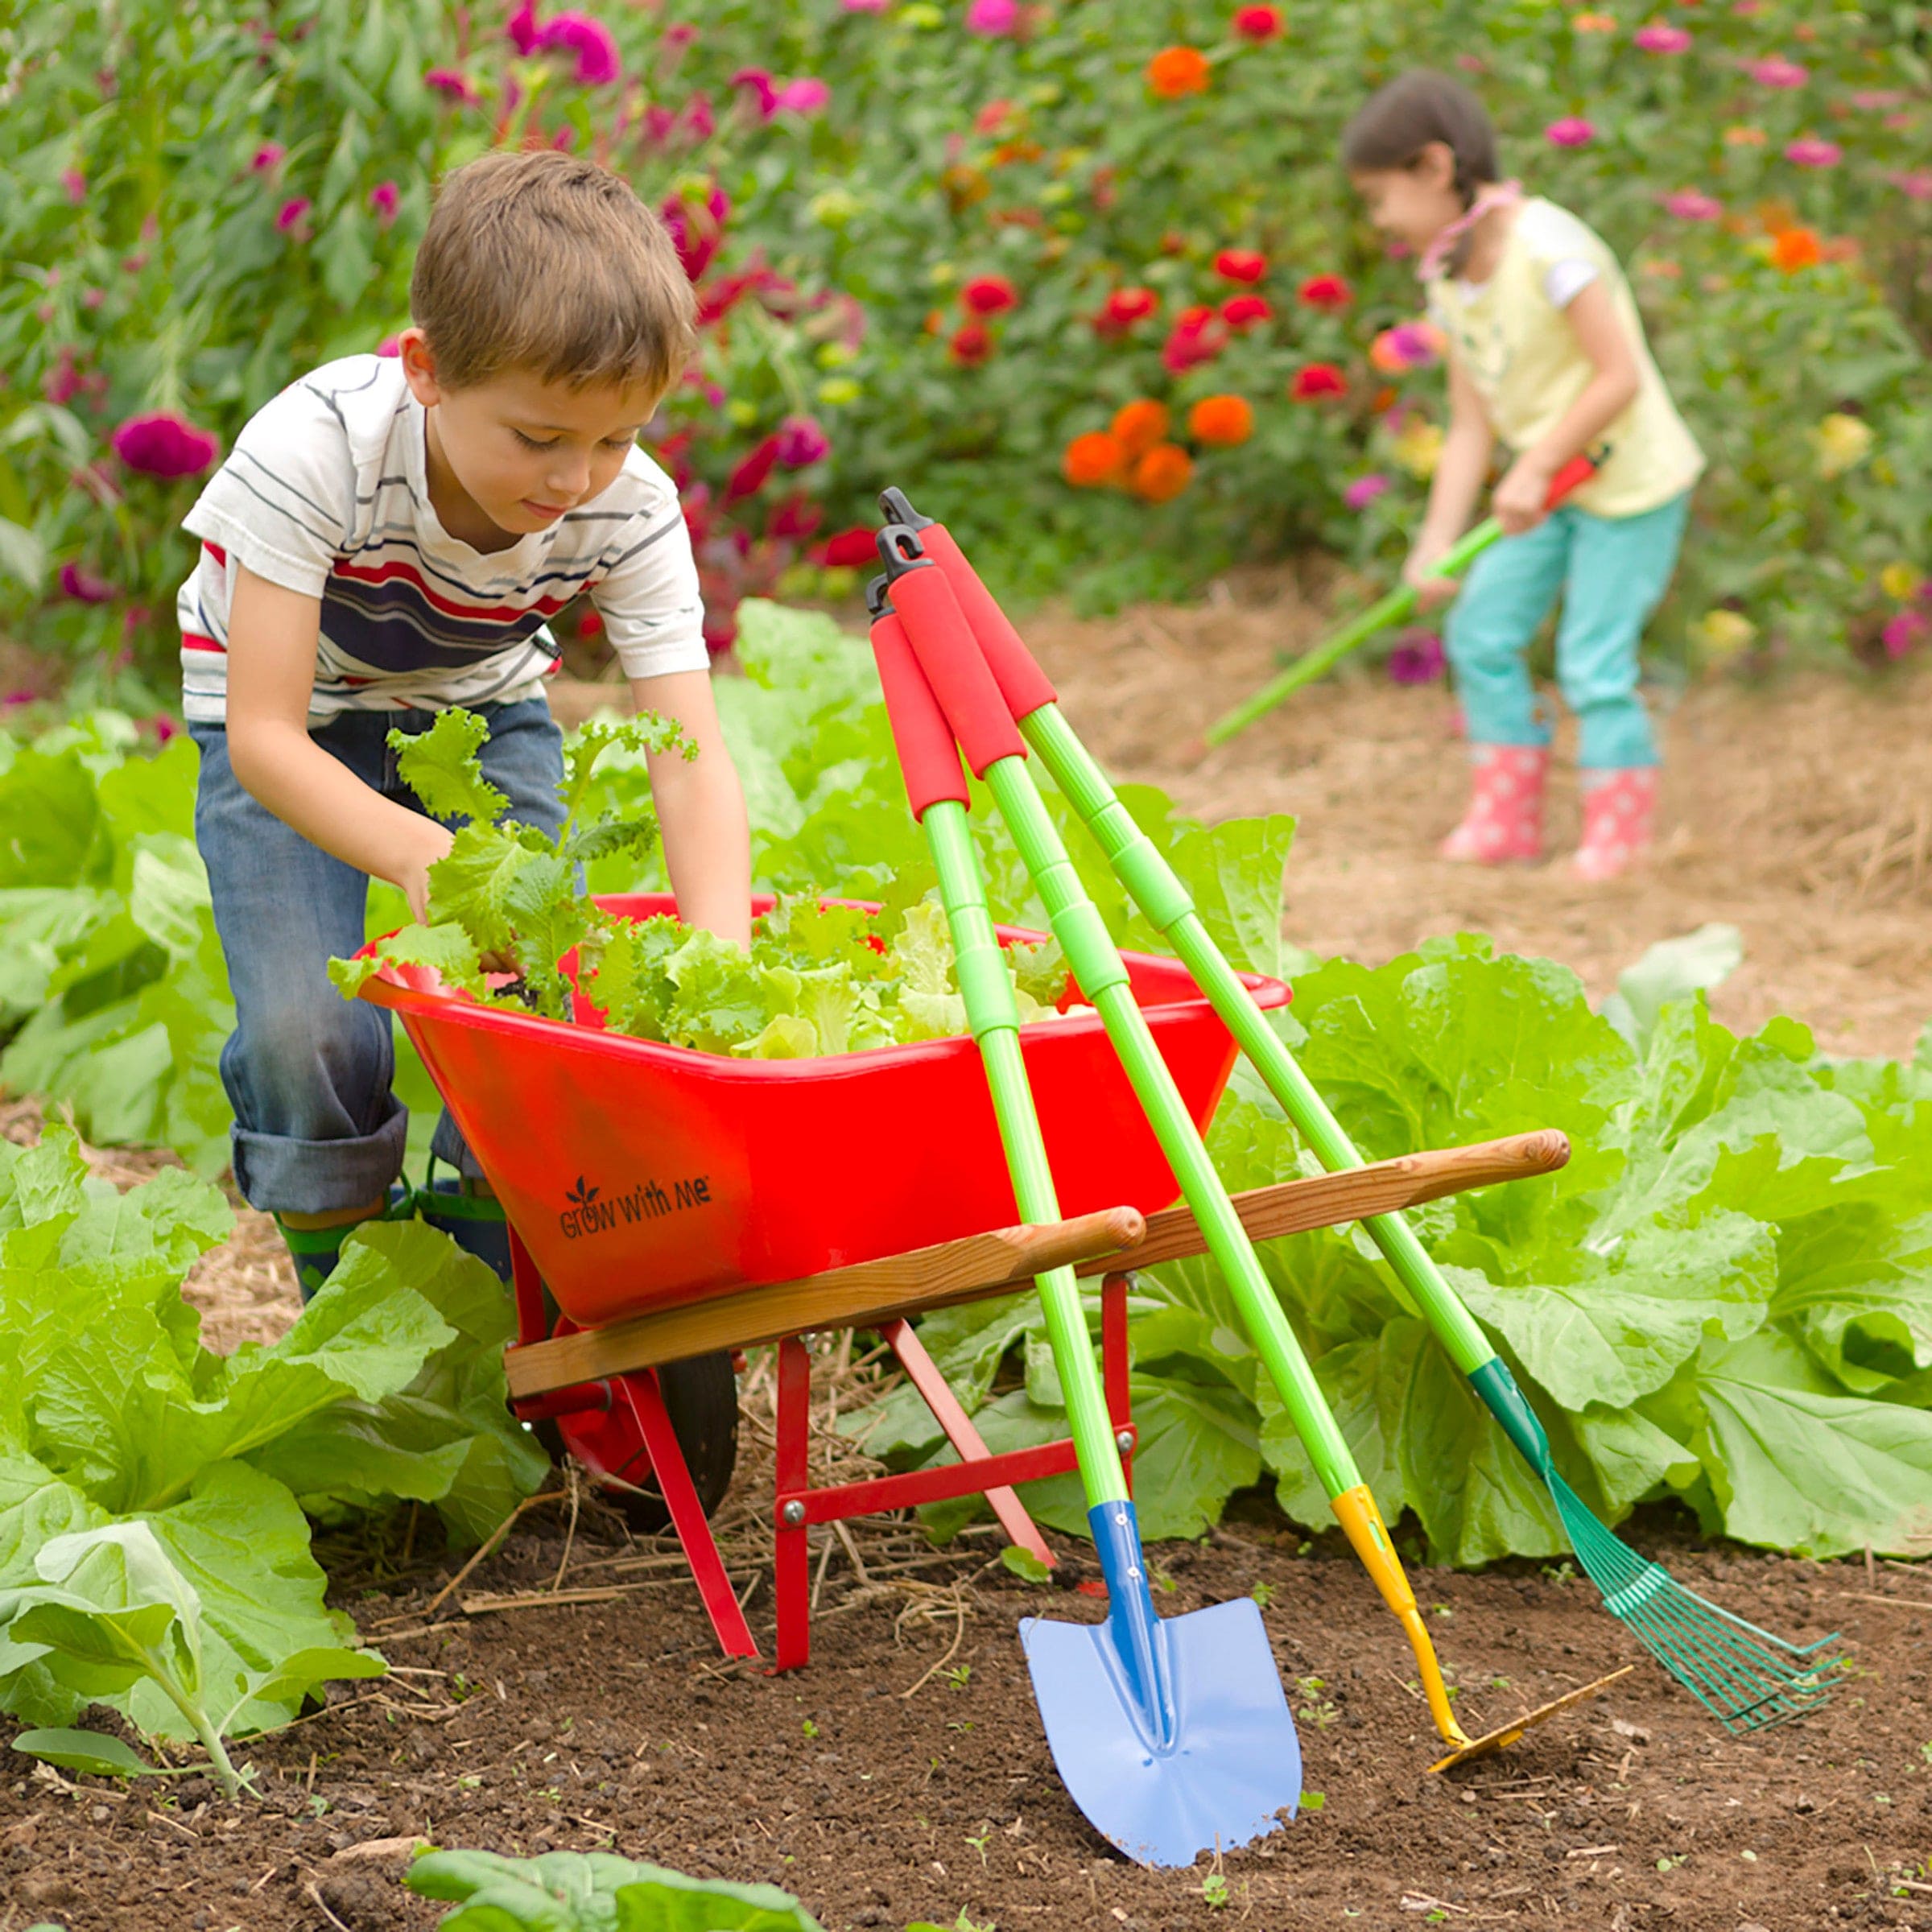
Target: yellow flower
[[1901, 580], [1723, 632], [1844, 442], [921, 15], [836, 391], [834, 208], [1418, 449]]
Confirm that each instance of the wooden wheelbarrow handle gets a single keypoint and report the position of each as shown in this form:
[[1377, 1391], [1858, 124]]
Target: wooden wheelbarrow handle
[[1103, 1243]]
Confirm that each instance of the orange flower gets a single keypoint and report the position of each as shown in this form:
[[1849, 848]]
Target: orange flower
[[1093, 460], [1175, 71], [1594, 23], [1162, 473], [1741, 136], [1225, 420], [1794, 248], [1138, 426]]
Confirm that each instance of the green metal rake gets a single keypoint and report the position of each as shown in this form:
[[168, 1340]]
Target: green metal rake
[[1746, 1677]]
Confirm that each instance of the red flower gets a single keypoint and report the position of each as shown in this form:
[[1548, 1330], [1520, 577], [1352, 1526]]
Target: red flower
[[971, 345], [748, 478], [1198, 336], [1240, 265], [1313, 380], [1245, 311], [1124, 308], [1257, 22], [797, 517], [989, 295], [848, 549], [1325, 292], [163, 445]]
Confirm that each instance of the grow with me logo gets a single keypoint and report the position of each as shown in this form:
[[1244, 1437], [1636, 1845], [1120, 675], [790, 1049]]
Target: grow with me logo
[[594, 1212]]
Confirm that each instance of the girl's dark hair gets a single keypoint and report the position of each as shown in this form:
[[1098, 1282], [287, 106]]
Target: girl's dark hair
[[1396, 122]]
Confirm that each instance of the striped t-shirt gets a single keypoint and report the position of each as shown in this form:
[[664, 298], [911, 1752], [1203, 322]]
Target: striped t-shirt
[[326, 491]]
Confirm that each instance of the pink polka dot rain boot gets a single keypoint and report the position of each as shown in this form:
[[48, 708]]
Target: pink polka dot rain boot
[[1619, 807], [1504, 821]]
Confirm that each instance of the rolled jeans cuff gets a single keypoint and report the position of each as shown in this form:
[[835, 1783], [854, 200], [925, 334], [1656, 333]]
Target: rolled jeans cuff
[[448, 1145], [280, 1174]]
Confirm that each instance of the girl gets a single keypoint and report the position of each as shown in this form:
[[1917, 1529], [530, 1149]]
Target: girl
[[1546, 352]]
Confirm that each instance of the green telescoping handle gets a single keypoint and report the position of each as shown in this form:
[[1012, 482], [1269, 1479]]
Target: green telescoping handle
[[1390, 609], [1161, 896], [980, 969]]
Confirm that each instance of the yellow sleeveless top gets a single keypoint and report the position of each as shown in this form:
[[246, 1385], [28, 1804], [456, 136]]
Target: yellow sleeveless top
[[1520, 353]]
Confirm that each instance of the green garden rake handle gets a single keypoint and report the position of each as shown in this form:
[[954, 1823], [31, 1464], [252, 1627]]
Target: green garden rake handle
[[959, 676], [1390, 609]]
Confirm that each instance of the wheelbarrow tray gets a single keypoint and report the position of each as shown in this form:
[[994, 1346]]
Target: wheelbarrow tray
[[641, 1176]]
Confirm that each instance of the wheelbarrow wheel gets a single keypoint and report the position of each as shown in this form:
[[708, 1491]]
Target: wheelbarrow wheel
[[701, 1399]]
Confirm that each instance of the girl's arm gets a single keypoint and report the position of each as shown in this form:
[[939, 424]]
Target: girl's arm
[[700, 808], [271, 672], [1613, 384], [1459, 471]]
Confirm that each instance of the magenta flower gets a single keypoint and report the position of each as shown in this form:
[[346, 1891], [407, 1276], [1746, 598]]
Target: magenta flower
[[291, 217], [1901, 632], [589, 41], [756, 81], [1915, 187], [63, 382], [865, 6], [163, 727], [993, 18], [1660, 37], [267, 157], [1876, 100], [1364, 490], [1417, 658], [1573, 131], [84, 586], [523, 29], [696, 122], [1809, 151], [452, 81], [1776, 71], [1690, 205], [74, 184], [165, 445], [383, 199], [801, 442], [809, 95], [389, 346], [695, 230]]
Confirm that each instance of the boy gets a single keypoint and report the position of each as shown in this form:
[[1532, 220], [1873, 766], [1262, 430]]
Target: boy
[[386, 539]]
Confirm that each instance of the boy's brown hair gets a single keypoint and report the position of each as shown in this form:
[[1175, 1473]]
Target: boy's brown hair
[[547, 262], [1394, 124]]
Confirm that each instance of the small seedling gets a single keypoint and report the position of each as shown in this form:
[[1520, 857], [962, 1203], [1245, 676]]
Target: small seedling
[[1313, 1801], [1263, 1594], [1214, 1889], [979, 1844], [1667, 1865], [1440, 1610], [960, 1676], [1163, 1581], [1317, 1710], [811, 1730], [1025, 1565], [1564, 1572]]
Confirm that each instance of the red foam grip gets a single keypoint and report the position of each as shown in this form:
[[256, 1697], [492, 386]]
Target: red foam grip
[[928, 760], [1573, 475], [949, 654], [1021, 682]]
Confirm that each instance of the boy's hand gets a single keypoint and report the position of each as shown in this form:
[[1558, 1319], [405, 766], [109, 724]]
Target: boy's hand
[[1431, 592], [1520, 498], [432, 843]]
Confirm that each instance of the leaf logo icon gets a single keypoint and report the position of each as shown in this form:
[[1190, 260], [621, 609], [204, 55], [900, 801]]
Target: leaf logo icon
[[583, 1194]]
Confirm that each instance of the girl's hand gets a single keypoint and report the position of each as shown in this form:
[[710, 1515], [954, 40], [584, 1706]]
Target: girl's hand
[[431, 843], [1520, 500], [1431, 590]]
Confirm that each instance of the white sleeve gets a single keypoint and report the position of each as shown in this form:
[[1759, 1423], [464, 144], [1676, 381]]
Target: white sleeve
[[1566, 278], [648, 598], [284, 501]]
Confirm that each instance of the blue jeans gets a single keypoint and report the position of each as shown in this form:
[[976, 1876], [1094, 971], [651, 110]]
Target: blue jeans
[[1612, 572], [308, 1072]]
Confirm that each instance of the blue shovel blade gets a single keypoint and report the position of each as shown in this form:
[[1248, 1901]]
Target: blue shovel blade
[[1231, 1761]]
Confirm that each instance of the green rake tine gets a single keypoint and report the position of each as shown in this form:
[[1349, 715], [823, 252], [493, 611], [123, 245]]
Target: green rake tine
[[1701, 1643]]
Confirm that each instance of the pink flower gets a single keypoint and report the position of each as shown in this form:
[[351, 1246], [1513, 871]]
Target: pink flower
[[695, 230], [1689, 204], [1809, 151], [63, 382], [1659, 37], [1776, 71], [267, 157], [1915, 187], [809, 95], [1877, 100], [449, 80], [84, 586], [523, 29], [1364, 490], [74, 183], [164, 445], [801, 442], [291, 217], [993, 18], [588, 40], [757, 82], [389, 346], [383, 199], [1901, 632], [164, 727], [865, 6], [1417, 658], [1573, 131]]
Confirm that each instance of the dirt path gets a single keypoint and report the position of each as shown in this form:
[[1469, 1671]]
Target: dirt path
[[1803, 814]]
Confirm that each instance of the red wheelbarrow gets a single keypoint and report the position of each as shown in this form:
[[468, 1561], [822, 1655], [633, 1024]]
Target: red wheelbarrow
[[667, 1207]]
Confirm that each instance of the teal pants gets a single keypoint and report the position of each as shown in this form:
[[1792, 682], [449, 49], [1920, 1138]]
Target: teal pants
[[1612, 573]]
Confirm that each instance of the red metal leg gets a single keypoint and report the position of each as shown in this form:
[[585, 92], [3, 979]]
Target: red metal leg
[[1115, 1365], [640, 1390], [792, 1556], [530, 1291], [924, 1373]]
